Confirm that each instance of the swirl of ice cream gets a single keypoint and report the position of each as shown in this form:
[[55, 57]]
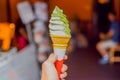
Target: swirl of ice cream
[[58, 23]]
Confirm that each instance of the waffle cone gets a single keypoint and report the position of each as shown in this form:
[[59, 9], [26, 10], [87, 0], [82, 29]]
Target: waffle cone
[[60, 41]]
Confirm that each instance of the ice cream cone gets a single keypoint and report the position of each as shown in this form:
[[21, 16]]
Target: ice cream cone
[[61, 40], [60, 44], [60, 36]]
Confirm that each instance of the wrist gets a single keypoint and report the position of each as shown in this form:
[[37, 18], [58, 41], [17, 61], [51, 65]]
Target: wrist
[[43, 77]]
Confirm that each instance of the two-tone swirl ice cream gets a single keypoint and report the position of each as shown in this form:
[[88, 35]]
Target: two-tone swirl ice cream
[[59, 24], [60, 35]]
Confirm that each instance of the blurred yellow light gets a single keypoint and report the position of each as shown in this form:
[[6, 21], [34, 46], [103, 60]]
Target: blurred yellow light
[[12, 25]]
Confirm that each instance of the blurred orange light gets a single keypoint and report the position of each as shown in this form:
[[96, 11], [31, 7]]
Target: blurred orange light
[[103, 1]]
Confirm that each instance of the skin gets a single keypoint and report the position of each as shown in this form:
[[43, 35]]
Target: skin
[[49, 71], [23, 33], [106, 36]]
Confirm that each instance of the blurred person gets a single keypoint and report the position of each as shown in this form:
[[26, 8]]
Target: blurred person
[[103, 7], [108, 40], [74, 32], [49, 71], [82, 41], [21, 35], [78, 38]]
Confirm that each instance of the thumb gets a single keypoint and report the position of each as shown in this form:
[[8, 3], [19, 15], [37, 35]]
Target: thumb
[[52, 58]]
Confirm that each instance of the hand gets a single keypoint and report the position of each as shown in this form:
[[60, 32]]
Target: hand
[[102, 36], [49, 71]]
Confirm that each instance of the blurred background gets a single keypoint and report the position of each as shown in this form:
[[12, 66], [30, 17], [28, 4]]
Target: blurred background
[[25, 43]]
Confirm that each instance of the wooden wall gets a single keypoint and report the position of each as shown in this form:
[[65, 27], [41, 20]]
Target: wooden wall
[[3, 10], [81, 8], [14, 13], [117, 8]]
